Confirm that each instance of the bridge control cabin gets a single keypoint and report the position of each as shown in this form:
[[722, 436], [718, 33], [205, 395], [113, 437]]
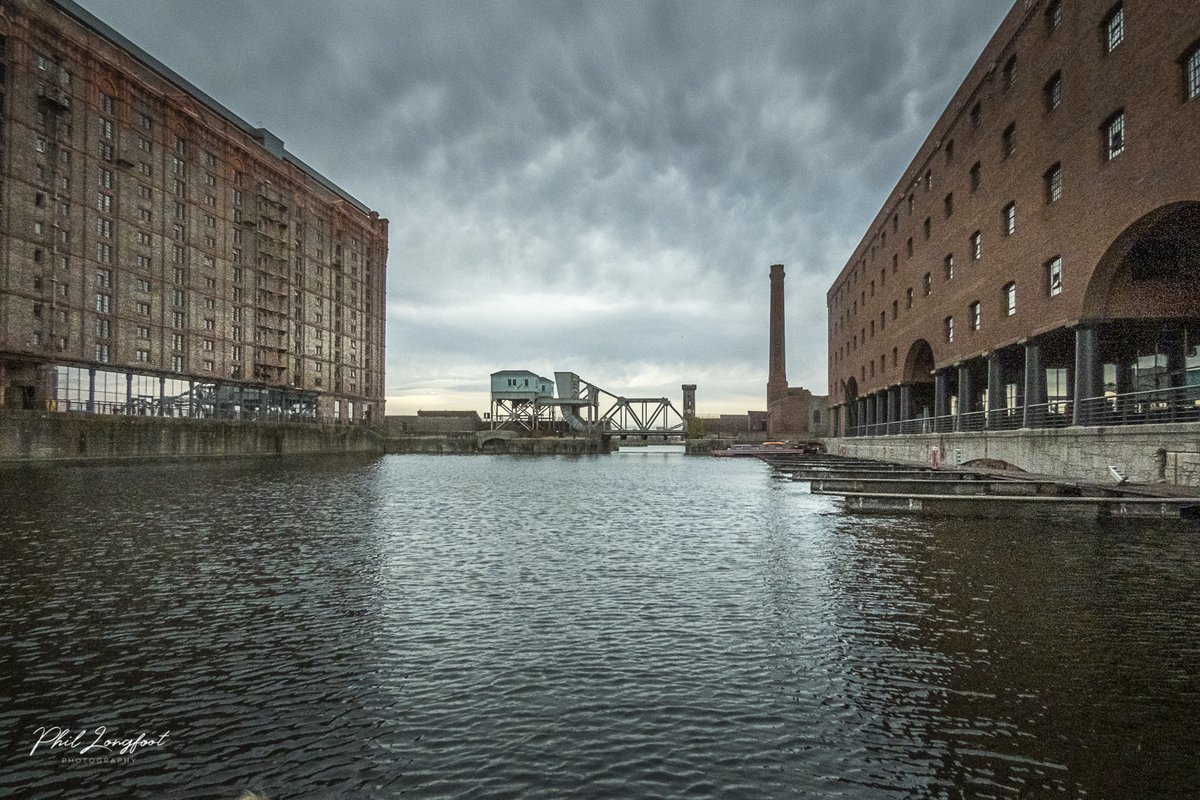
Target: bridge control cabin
[[521, 400], [521, 384]]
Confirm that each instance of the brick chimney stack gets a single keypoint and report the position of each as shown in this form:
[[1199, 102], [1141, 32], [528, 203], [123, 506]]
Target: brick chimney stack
[[777, 385]]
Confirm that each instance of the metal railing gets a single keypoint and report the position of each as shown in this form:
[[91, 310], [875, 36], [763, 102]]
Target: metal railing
[[1155, 406]]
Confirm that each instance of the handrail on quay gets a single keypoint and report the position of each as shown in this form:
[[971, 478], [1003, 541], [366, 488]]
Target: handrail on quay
[[1172, 404]]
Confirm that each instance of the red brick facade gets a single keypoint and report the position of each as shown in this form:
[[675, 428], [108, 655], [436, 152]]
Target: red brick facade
[[1074, 137], [147, 231]]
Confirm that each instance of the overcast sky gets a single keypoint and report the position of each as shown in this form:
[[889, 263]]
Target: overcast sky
[[591, 186]]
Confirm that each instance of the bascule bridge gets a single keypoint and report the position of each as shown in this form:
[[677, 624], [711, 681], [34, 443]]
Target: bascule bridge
[[525, 402]]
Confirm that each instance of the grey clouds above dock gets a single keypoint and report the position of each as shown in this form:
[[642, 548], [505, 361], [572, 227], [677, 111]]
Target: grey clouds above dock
[[590, 186]]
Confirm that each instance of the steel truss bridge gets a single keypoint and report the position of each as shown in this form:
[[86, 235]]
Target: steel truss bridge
[[586, 408]]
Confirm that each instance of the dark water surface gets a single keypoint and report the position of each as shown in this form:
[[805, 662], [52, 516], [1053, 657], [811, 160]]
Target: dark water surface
[[608, 626]]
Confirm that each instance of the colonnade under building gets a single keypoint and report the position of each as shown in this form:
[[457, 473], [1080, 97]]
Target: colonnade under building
[[1123, 372], [70, 388]]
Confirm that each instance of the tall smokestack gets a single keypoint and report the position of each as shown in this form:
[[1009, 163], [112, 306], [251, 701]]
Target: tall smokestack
[[777, 372]]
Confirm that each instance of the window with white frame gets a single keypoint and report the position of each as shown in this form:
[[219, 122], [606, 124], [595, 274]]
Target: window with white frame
[[1054, 14], [1191, 73], [1009, 73], [1009, 216], [1052, 91], [948, 327], [1053, 178], [1114, 135], [1113, 28], [976, 246], [976, 316], [1054, 276], [1010, 298]]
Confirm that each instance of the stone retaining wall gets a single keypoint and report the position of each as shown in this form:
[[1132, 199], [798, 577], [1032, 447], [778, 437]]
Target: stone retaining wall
[[1082, 454], [31, 436]]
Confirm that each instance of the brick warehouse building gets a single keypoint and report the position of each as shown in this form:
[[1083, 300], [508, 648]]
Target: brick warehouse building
[[159, 254], [1038, 264]]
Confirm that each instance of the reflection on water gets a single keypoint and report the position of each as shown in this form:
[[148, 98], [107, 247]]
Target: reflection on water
[[594, 626]]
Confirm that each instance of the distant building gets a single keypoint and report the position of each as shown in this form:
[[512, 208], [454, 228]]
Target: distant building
[[1038, 264], [162, 255], [791, 412]]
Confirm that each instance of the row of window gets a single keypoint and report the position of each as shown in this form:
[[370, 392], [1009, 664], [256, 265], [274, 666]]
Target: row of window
[[1053, 287], [106, 182], [103, 347], [1053, 192], [1112, 130]]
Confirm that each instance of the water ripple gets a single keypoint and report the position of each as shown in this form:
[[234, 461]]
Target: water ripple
[[586, 627]]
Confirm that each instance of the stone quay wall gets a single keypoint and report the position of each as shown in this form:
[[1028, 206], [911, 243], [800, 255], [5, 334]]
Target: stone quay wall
[[37, 437], [493, 442], [1081, 454]]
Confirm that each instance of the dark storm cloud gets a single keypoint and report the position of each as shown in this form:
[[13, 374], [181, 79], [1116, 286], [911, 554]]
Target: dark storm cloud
[[596, 186]]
